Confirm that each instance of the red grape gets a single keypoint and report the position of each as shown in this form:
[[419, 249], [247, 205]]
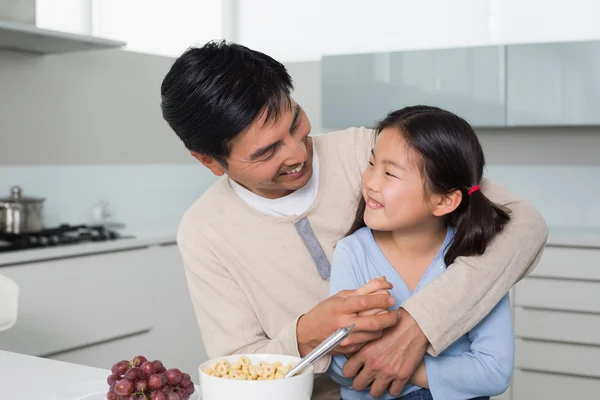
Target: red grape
[[158, 396], [156, 381], [159, 366], [124, 387], [111, 396], [148, 369], [183, 394], [190, 389], [133, 374], [172, 396], [167, 389], [138, 361], [141, 385], [174, 376], [121, 367], [185, 380], [112, 379]]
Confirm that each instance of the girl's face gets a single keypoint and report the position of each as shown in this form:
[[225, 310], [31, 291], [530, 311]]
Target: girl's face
[[394, 189]]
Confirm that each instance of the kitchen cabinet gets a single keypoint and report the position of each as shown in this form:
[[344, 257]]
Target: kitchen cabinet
[[97, 309], [74, 302], [553, 84], [541, 84], [358, 90], [557, 326]]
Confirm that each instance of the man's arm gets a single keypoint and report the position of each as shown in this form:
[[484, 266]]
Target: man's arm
[[228, 323], [461, 297]]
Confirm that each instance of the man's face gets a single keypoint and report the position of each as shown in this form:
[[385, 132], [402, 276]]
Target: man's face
[[271, 159]]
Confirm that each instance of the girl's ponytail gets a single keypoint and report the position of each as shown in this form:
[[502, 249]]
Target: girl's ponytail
[[476, 226]]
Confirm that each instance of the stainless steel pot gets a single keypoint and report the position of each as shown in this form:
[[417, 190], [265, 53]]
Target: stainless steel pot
[[19, 214]]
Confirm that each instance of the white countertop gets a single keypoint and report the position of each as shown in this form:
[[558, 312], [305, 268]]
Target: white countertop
[[574, 237], [50, 253], [32, 378], [559, 236]]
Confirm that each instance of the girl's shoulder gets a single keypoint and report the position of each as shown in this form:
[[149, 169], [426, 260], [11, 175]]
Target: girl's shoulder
[[360, 241]]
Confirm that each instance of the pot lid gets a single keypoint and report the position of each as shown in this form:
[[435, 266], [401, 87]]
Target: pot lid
[[16, 195]]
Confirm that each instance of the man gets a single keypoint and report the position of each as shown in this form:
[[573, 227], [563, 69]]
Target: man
[[257, 245]]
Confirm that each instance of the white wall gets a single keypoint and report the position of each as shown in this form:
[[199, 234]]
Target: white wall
[[158, 27], [313, 28], [71, 16]]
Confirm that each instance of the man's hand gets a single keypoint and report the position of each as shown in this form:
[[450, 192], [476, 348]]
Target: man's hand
[[391, 359], [342, 310]]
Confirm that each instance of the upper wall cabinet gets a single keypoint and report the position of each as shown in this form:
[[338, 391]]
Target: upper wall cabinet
[[553, 84], [360, 89], [539, 84]]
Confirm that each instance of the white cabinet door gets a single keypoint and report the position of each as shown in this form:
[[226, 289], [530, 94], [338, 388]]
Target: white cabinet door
[[529, 385], [69, 303], [104, 355], [560, 326], [562, 358], [176, 339], [559, 294]]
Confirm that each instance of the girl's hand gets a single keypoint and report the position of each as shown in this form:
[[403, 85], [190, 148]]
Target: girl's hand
[[375, 286]]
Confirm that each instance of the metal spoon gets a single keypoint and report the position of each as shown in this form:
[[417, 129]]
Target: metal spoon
[[321, 350]]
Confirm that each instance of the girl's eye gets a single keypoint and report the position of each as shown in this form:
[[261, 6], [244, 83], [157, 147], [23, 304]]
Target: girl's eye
[[371, 163], [388, 174]]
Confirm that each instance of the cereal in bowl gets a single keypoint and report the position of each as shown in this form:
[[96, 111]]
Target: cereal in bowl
[[245, 371]]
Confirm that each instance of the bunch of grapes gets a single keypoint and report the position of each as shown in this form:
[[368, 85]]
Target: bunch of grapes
[[142, 379]]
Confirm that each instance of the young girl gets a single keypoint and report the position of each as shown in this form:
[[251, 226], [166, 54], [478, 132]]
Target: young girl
[[421, 208]]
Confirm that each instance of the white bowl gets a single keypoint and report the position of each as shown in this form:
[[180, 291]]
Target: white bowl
[[299, 387]]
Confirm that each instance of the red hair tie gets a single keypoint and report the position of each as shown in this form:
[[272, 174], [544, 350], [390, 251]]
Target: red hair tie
[[473, 189]]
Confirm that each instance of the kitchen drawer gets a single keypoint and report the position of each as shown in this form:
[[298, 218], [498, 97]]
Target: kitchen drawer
[[528, 385], [563, 358], [558, 294], [73, 302], [569, 263], [558, 326], [104, 355]]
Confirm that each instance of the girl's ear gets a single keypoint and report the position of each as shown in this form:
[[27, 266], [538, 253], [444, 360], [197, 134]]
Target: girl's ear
[[447, 203]]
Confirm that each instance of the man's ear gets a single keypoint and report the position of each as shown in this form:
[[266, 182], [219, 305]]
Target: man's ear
[[210, 163]]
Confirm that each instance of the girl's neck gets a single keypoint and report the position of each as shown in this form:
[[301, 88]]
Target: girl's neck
[[418, 241]]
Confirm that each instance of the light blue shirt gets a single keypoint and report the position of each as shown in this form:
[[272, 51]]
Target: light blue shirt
[[478, 364]]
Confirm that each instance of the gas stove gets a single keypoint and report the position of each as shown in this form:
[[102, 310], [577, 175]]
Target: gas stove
[[59, 236]]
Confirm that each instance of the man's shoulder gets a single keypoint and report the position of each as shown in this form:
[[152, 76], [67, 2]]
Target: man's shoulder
[[354, 135], [207, 210], [348, 148]]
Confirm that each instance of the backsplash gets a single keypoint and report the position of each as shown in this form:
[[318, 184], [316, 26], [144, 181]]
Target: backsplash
[[565, 195], [153, 197], [146, 198]]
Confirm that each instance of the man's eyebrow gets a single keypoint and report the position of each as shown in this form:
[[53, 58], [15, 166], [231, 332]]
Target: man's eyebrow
[[262, 151], [296, 116]]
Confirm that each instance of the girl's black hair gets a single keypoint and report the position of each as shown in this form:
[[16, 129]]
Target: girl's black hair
[[451, 159]]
